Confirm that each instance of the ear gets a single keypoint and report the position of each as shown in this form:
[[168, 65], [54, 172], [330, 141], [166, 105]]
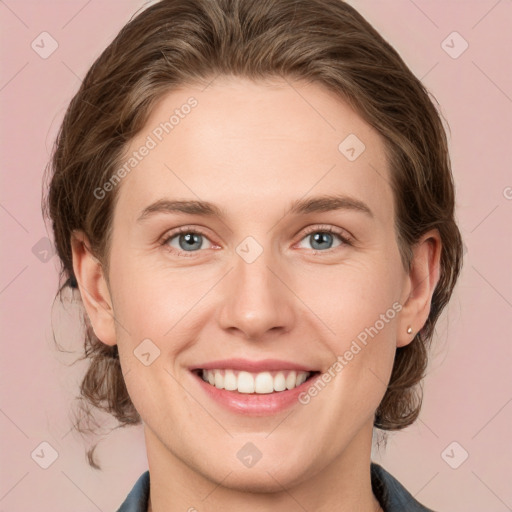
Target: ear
[[93, 288], [419, 286]]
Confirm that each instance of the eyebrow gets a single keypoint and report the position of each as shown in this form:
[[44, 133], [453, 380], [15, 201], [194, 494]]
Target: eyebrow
[[323, 203]]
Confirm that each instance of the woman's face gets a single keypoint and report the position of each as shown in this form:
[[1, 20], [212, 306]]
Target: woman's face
[[255, 286]]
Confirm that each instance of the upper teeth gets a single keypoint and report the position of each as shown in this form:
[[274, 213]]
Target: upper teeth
[[246, 382]]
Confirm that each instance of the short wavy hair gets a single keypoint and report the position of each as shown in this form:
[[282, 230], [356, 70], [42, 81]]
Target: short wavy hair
[[175, 42]]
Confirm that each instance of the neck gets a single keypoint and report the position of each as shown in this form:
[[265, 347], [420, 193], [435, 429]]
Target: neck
[[344, 485]]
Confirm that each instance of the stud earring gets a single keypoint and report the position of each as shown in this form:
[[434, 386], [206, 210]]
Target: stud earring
[[409, 330]]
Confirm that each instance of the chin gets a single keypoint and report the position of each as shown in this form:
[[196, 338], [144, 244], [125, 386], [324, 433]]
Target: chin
[[264, 477]]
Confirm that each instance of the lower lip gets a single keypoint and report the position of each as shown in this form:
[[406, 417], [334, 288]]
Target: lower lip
[[255, 404]]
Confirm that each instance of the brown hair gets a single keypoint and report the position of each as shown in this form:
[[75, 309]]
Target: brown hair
[[175, 42]]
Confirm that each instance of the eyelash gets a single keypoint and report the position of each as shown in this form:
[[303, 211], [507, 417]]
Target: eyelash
[[346, 240]]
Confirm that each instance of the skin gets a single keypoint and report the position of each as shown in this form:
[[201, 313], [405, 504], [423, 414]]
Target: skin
[[253, 148]]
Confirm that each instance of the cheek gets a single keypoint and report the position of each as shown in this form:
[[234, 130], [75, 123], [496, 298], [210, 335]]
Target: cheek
[[362, 309], [149, 301], [351, 297]]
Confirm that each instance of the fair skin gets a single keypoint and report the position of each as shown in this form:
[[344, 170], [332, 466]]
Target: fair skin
[[252, 149]]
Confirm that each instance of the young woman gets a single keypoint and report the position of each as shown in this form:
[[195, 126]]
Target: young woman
[[254, 200]]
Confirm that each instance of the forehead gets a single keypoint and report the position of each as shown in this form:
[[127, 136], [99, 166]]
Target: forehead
[[243, 144]]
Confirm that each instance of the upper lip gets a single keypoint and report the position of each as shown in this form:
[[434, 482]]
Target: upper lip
[[253, 366]]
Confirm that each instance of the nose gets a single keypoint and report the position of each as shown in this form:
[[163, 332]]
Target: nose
[[256, 299]]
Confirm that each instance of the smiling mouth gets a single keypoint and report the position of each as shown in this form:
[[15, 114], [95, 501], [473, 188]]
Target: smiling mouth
[[255, 383]]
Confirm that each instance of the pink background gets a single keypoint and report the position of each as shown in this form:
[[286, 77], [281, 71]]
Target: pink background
[[468, 393]]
